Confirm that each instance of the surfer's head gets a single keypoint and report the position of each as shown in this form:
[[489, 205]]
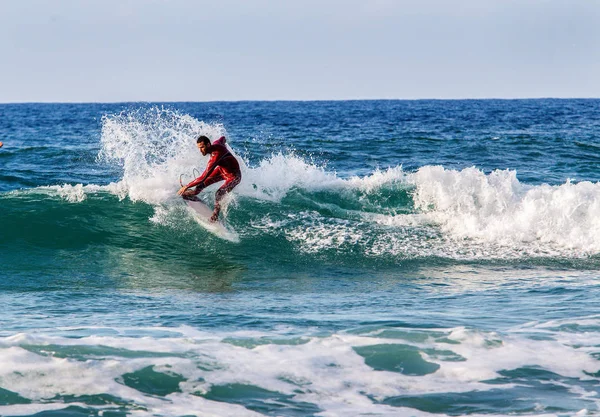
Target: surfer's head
[[203, 144]]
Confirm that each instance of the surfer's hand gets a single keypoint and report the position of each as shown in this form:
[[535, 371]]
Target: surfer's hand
[[182, 190]]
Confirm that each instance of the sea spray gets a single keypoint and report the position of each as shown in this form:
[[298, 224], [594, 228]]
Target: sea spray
[[153, 147]]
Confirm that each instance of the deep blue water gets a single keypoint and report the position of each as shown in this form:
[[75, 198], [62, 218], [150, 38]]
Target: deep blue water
[[389, 258]]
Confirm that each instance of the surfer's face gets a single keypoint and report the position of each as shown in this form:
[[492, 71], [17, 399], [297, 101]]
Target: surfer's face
[[203, 148]]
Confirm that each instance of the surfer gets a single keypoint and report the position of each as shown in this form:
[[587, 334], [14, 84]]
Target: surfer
[[222, 166]]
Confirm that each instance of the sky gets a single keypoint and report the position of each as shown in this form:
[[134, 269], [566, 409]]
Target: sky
[[228, 50]]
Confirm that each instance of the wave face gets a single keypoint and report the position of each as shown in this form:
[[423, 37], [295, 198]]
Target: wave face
[[425, 258]]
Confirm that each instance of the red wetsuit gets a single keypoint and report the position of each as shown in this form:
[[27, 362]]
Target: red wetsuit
[[222, 166]]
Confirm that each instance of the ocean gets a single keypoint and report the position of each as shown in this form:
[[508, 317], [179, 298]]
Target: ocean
[[391, 258]]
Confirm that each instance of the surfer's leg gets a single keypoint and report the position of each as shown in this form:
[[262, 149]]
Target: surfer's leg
[[216, 176], [221, 192]]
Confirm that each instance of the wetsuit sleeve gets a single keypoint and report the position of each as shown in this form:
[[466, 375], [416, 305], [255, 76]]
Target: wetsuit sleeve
[[212, 162]]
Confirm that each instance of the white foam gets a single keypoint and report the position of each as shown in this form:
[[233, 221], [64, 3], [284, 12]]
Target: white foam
[[488, 353], [378, 179], [315, 234], [325, 371], [497, 209], [276, 175]]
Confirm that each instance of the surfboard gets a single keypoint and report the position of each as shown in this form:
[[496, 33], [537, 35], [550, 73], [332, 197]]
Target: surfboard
[[202, 213]]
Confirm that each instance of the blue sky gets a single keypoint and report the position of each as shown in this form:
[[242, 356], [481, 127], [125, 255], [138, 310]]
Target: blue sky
[[196, 50]]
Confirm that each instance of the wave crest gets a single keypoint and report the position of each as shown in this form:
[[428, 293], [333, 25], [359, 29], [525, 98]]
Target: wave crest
[[497, 208]]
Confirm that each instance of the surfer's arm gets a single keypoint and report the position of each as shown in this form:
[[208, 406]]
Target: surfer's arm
[[183, 190], [212, 163], [198, 180]]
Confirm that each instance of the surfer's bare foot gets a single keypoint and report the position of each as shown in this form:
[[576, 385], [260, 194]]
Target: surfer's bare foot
[[214, 218]]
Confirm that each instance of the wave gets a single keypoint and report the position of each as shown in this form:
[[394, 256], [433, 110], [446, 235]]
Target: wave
[[497, 209], [287, 206], [385, 369]]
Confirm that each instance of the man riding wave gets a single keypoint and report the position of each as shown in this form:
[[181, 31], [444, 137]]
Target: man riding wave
[[222, 166]]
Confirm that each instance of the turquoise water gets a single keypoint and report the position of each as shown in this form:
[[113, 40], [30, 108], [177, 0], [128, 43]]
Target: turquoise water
[[395, 258]]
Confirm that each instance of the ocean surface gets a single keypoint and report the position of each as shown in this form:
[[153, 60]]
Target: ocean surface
[[390, 258]]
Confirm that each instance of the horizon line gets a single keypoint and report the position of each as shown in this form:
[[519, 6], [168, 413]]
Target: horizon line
[[298, 100]]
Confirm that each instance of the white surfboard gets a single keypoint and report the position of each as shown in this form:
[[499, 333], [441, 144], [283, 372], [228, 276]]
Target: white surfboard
[[202, 214]]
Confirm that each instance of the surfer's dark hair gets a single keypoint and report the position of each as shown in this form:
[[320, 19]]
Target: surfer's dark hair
[[204, 139]]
